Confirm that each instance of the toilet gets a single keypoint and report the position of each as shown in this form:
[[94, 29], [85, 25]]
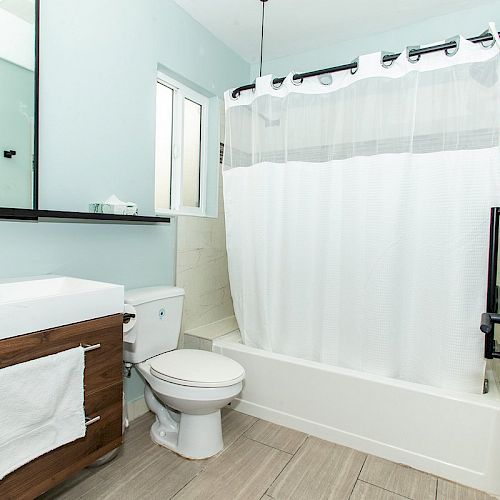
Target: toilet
[[185, 388]]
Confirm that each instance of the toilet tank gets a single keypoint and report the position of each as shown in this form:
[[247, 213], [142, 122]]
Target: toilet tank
[[157, 324]]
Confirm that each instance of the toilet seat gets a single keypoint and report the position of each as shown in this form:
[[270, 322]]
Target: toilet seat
[[196, 368]]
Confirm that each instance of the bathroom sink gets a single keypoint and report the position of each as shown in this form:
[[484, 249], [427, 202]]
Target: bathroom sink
[[41, 302]]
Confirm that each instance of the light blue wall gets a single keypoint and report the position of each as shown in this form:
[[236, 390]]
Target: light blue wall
[[468, 22], [98, 69], [98, 74]]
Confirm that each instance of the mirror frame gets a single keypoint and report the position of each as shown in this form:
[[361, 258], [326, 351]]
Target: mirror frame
[[4, 210], [36, 107]]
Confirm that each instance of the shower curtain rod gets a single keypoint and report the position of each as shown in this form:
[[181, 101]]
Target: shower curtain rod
[[412, 52]]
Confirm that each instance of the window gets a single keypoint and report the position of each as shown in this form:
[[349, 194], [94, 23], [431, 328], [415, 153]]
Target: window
[[181, 149]]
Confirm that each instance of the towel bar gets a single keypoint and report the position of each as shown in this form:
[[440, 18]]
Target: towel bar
[[87, 347], [90, 421]]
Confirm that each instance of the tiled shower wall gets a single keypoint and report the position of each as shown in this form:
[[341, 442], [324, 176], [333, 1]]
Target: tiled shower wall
[[202, 266]]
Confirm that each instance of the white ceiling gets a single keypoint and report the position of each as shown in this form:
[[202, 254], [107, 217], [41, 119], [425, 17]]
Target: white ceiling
[[24, 9], [295, 26]]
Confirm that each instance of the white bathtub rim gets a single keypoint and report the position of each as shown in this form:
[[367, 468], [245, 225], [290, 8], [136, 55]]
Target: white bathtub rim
[[491, 399]]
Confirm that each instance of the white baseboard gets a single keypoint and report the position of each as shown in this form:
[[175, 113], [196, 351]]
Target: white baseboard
[[136, 408]]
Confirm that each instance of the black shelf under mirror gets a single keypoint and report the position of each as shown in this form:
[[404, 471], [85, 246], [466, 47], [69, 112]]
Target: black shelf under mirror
[[35, 215]]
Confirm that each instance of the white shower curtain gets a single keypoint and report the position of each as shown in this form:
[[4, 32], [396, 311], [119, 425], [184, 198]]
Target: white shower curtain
[[357, 214]]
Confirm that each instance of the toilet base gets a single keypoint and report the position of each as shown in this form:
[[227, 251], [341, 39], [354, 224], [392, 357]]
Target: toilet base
[[193, 437]]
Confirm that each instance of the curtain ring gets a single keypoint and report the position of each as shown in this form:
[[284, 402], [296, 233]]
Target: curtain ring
[[409, 50], [487, 45], [354, 70], [297, 81], [277, 85], [386, 64], [453, 51]]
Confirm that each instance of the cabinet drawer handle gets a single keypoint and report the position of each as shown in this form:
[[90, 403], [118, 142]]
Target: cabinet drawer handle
[[88, 347], [90, 421]]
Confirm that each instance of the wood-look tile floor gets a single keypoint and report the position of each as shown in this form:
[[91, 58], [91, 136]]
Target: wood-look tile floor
[[260, 460]]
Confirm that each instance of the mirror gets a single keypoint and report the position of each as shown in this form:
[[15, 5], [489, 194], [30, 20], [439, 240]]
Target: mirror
[[18, 84]]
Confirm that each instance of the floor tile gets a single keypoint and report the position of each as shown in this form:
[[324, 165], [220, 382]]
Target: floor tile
[[234, 424], [365, 491], [453, 491], [319, 470], [120, 474], [137, 460], [137, 444], [399, 479], [160, 477], [282, 438], [73, 487], [253, 469], [244, 471]]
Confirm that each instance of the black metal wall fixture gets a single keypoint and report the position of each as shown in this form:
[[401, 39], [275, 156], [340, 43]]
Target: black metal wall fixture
[[25, 214], [36, 137], [491, 316]]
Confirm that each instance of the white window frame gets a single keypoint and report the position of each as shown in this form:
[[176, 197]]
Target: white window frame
[[181, 92]]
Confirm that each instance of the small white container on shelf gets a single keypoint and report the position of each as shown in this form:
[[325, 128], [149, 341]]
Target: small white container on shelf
[[113, 205]]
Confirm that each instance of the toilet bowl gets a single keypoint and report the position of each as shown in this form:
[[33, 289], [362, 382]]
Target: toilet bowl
[[184, 388], [188, 408]]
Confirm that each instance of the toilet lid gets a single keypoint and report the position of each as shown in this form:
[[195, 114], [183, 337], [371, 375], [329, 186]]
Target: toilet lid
[[197, 368]]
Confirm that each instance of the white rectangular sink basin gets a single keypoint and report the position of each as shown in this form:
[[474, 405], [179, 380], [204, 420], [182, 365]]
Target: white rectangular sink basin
[[42, 302]]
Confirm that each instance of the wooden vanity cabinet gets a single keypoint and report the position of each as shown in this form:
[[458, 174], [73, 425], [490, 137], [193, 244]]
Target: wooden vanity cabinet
[[103, 398]]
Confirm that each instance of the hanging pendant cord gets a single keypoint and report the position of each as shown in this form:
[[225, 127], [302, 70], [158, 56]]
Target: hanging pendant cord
[[262, 34]]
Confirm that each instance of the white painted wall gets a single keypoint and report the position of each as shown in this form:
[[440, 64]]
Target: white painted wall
[[467, 22]]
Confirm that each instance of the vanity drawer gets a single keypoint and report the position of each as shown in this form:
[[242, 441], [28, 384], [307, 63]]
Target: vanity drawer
[[50, 469], [102, 365]]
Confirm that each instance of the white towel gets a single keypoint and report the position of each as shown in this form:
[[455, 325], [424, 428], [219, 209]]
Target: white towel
[[41, 407]]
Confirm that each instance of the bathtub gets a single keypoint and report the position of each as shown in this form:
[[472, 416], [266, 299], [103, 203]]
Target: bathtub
[[452, 435]]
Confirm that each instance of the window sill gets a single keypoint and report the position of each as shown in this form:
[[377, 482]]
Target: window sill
[[180, 213]]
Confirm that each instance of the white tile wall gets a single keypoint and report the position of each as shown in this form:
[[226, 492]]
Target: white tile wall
[[202, 268]]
